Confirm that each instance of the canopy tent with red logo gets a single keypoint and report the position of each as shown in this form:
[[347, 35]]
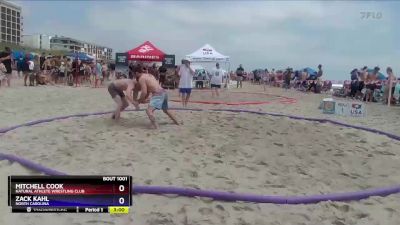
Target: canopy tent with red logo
[[146, 52]]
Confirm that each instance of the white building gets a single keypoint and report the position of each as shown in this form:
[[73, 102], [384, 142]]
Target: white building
[[74, 45], [38, 41], [11, 22]]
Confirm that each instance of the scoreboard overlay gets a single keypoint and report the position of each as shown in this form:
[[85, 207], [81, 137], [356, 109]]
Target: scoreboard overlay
[[70, 194]]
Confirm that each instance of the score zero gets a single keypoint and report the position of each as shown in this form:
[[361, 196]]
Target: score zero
[[121, 188]]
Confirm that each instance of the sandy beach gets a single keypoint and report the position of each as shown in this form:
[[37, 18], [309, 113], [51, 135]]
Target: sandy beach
[[227, 151]]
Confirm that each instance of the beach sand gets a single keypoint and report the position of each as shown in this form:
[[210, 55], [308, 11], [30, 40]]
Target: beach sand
[[238, 152]]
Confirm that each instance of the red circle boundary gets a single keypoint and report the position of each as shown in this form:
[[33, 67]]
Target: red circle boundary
[[284, 100]]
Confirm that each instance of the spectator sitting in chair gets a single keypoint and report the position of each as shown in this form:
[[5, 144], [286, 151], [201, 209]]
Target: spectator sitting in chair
[[371, 84], [201, 77]]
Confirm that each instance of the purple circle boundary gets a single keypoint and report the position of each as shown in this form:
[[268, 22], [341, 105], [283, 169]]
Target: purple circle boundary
[[220, 195]]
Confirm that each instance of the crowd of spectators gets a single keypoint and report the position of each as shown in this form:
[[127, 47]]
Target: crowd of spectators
[[55, 70]]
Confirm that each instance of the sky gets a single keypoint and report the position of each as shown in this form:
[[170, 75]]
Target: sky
[[340, 35]]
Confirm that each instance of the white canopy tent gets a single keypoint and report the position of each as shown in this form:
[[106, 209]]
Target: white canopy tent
[[207, 56]]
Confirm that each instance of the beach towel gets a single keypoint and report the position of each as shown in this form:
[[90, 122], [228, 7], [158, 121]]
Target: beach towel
[[396, 93]]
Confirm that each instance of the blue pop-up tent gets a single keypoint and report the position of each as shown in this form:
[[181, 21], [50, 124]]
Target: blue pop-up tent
[[80, 55], [310, 71], [17, 54], [21, 54]]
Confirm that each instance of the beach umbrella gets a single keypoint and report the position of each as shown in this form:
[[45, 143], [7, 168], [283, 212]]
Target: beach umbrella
[[310, 71], [380, 76]]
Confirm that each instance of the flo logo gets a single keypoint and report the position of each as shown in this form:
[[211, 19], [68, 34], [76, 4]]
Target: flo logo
[[145, 48], [371, 15]]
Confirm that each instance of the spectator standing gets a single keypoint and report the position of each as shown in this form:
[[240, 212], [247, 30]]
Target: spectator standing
[[30, 73], [5, 58], [354, 83], [93, 69], [112, 70], [163, 74], [68, 74], [21, 61], [362, 79], [287, 77], [131, 67], [78, 71], [104, 70], [239, 76], [62, 72], [46, 67], [42, 59], [313, 79], [272, 77], [265, 78], [154, 71], [185, 73], [320, 72], [24, 67], [88, 73], [216, 81], [389, 91], [99, 74], [3, 77]]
